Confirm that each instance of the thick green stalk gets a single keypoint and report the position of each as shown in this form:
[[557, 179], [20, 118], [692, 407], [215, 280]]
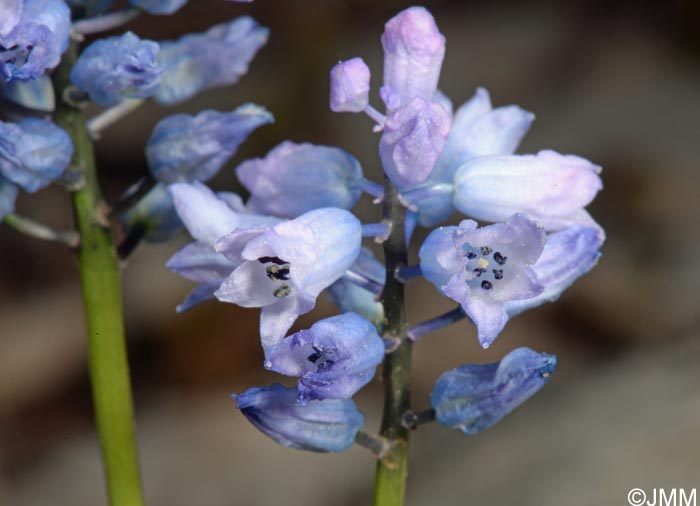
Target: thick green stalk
[[390, 482], [101, 288]]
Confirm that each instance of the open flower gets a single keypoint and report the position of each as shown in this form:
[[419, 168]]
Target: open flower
[[207, 217], [319, 426], [333, 359], [483, 268], [473, 397], [284, 268]]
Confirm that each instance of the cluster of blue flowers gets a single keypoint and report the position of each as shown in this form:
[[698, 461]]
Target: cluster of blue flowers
[[295, 236]]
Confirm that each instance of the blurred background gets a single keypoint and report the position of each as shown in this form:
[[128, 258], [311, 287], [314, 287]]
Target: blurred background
[[615, 82]]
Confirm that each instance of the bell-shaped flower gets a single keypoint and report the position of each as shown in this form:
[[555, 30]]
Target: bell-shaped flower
[[296, 178], [412, 140], [8, 195], [319, 426], [194, 148], [550, 188], [200, 61], [33, 35], [473, 397], [567, 255], [33, 152], [413, 52], [477, 130], [115, 68], [284, 268], [207, 217], [159, 7], [87, 8], [37, 94], [350, 86], [483, 268], [349, 297], [333, 359]]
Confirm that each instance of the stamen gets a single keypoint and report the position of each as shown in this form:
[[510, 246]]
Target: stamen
[[282, 291], [471, 255], [273, 260], [485, 250], [500, 259], [486, 285], [498, 273], [479, 271]]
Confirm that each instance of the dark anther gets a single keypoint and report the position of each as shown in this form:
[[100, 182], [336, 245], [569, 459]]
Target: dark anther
[[325, 365], [271, 260], [485, 250], [498, 273], [282, 291], [280, 273], [313, 358], [471, 255], [479, 271], [500, 259], [486, 285]]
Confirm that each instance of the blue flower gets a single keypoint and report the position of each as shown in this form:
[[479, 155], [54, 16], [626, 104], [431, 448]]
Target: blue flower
[[349, 297], [284, 268], [320, 426], [550, 188], [208, 217], [567, 255], [295, 178], [112, 69], [201, 61], [33, 152], [483, 268], [477, 130], [33, 35], [333, 359], [473, 397], [159, 6], [194, 148], [8, 195]]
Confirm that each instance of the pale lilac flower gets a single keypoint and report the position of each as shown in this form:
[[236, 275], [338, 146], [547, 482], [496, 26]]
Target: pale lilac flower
[[350, 86], [115, 68], [477, 130], [284, 268], [333, 359], [483, 268], [473, 397], [207, 217], [33, 152], [160, 7], [550, 188], [567, 255], [296, 178], [200, 61], [33, 42], [194, 148], [320, 426]]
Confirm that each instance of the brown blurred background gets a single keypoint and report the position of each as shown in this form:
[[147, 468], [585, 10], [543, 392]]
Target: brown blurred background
[[615, 82]]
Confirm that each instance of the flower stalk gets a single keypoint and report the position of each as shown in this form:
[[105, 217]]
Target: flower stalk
[[392, 468], [101, 288]]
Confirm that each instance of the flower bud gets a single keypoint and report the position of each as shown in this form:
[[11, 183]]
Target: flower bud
[[350, 86]]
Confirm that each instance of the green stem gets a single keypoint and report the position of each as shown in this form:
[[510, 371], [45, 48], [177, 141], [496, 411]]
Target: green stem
[[101, 287], [392, 468]]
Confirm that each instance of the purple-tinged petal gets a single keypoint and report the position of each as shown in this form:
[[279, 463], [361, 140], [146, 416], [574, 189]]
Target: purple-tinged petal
[[36, 42], [116, 68], [159, 7], [8, 195], [549, 187], [567, 255], [296, 178], [333, 359], [276, 319], [350, 86], [473, 397], [488, 315], [10, 14], [439, 258], [33, 152], [201, 61], [206, 217], [412, 140], [413, 52], [320, 426], [194, 148], [199, 262], [201, 293]]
